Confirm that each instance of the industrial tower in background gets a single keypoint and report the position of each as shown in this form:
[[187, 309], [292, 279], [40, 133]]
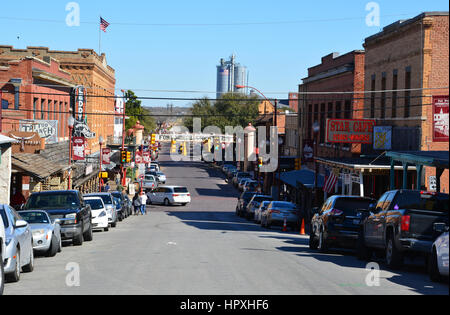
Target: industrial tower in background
[[230, 74]]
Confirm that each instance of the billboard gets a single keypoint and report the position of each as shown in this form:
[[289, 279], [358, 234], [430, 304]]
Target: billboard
[[440, 119], [46, 129], [350, 131]]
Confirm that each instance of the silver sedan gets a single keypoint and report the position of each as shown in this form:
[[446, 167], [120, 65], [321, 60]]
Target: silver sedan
[[46, 233]]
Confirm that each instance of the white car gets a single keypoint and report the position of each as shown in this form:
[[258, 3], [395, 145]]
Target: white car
[[438, 265], [169, 195], [99, 213], [18, 256], [2, 250]]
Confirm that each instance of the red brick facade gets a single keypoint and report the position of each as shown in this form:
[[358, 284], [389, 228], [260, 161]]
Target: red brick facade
[[411, 54]]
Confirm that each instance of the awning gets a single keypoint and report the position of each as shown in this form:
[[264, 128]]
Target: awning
[[303, 177], [36, 165]]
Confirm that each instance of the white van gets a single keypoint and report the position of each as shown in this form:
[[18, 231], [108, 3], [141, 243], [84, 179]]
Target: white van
[[169, 195]]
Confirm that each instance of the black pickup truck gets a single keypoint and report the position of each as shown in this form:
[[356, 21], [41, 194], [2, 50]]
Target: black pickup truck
[[401, 224], [69, 207]]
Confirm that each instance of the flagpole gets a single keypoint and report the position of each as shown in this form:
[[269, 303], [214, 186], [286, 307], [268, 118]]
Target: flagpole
[[99, 37]]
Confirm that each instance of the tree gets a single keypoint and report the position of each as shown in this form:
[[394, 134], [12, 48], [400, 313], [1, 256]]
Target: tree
[[135, 112], [231, 109]]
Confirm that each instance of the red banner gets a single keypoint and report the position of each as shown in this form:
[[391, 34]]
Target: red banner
[[79, 145], [440, 119], [146, 157], [106, 156], [350, 131], [138, 158]]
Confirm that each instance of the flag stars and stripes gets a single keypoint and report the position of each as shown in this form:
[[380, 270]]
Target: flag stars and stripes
[[103, 24]]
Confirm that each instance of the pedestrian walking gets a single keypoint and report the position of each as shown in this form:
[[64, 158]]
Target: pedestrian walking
[[143, 199], [136, 204]]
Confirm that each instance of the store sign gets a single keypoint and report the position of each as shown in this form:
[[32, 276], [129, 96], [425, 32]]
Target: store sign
[[440, 119], [46, 129], [81, 129], [79, 148], [106, 156], [28, 142], [308, 151], [146, 157], [382, 138], [138, 158], [80, 102], [350, 131]]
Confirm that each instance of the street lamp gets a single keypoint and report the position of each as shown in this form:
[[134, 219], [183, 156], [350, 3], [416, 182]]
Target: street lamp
[[100, 141], [316, 129], [70, 123]]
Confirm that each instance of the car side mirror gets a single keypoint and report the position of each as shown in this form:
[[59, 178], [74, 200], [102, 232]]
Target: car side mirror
[[20, 224], [315, 210]]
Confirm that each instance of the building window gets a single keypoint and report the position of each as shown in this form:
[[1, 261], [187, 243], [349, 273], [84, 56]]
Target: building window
[[407, 111], [338, 110], [348, 109], [322, 123], [310, 121], [372, 97], [42, 109], [35, 100], [394, 93], [330, 110], [383, 96]]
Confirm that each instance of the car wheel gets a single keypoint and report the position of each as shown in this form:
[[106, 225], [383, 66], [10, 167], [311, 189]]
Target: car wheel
[[2, 275], [53, 247], [313, 244], [322, 246], [113, 225], [362, 251], [433, 269], [88, 236], [106, 229], [78, 240], [30, 266], [15, 276], [166, 202], [60, 245], [394, 259]]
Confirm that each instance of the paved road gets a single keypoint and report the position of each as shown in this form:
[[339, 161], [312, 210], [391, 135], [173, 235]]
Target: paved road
[[205, 249]]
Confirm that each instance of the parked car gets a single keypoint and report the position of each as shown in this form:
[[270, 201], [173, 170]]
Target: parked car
[[439, 260], [279, 211], [68, 205], [230, 175], [254, 204], [238, 176], [262, 207], [18, 256], [2, 252], [338, 222], [253, 186], [243, 201], [108, 201], [46, 233], [401, 224], [119, 209], [160, 176], [99, 213], [149, 182], [227, 167], [169, 195], [125, 210]]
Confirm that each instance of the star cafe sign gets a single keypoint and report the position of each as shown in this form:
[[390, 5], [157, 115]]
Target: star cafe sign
[[28, 142], [350, 131]]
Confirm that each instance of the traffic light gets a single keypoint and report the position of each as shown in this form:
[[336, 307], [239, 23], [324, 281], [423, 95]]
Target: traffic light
[[298, 164], [123, 157], [153, 141], [128, 157], [260, 162]]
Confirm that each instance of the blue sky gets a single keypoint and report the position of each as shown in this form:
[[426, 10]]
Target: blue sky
[[184, 57]]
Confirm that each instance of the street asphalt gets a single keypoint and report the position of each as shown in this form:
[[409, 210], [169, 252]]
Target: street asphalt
[[205, 249]]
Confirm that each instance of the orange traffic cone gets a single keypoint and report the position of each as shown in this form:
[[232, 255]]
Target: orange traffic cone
[[284, 226], [302, 229]]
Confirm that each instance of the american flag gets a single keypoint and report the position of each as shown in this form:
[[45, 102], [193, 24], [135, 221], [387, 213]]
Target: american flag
[[103, 24], [330, 182]]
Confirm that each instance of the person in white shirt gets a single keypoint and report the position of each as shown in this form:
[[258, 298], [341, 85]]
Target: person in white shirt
[[143, 198]]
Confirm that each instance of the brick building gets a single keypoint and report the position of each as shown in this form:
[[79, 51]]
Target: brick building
[[409, 55], [86, 68], [336, 73], [24, 99]]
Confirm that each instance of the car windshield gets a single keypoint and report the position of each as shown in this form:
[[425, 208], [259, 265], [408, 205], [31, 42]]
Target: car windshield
[[284, 205], [247, 196], [63, 200], [180, 190], [4, 218], [351, 205], [416, 200], [34, 217], [262, 198], [96, 204], [107, 200]]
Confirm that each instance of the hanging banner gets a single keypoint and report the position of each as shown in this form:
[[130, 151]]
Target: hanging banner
[[440, 119], [308, 151], [138, 158], [146, 157], [106, 156], [382, 138], [79, 148]]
